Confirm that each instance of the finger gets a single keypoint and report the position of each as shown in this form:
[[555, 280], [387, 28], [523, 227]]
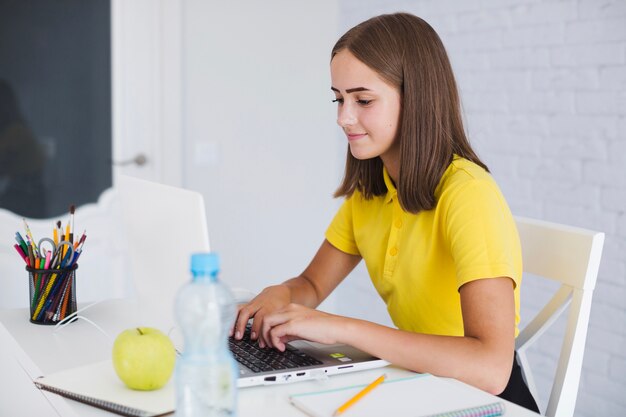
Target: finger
[[287, 339], [268, 321], [288, 313], [272, 320], [281, 334], [259, 318], [231, 331], [264, 329], [245, 313]]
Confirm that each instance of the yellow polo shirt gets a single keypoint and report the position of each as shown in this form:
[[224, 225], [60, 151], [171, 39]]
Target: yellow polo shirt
[[418, 262]]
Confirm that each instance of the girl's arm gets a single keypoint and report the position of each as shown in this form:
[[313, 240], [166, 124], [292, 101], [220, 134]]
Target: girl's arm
[[483, 357], [327, 269]]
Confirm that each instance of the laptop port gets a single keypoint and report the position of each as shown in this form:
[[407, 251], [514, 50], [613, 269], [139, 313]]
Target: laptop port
[[300, 373], [270, 378], [345, 367]]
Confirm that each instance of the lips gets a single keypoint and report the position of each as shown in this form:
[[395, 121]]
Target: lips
[[355, 136]]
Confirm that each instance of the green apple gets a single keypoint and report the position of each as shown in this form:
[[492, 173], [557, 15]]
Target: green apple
[[143, 358]]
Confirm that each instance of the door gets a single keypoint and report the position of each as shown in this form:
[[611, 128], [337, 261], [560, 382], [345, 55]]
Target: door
[[122, 59], [146, 67]]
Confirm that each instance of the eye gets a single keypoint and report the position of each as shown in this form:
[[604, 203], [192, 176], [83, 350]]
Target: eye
[[338, 101], [364, 102]]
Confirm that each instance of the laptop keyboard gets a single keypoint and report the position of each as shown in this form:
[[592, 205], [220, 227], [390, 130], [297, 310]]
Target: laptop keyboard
[[248, 353]]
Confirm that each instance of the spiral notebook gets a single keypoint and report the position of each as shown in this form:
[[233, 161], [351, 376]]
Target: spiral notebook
[[419, 395], [98, 385]]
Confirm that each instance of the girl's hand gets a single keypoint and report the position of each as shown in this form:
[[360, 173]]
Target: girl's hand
[[299, 322], [327, 269], [271, 299]]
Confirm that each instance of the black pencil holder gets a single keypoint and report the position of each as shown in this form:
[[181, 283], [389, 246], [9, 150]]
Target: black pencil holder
[[52, 294]]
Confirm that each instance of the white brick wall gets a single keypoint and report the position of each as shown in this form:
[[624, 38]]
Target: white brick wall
[[544, 91]]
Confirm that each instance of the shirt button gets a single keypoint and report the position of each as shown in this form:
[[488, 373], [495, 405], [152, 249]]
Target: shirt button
[[393, 251], [398, 223]]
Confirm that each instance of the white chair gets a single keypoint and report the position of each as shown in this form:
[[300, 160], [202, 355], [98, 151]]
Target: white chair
[[164, 225], [570, 256]]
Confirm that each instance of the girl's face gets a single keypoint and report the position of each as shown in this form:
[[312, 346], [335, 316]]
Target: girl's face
[[368, 108]]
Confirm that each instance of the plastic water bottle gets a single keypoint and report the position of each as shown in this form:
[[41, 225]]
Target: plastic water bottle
[[206, 371]]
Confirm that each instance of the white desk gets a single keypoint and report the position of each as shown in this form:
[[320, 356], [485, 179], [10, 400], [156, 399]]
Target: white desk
[[28, 351]]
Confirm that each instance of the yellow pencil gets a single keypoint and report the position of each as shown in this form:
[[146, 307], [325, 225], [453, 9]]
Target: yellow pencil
[[360, 395]]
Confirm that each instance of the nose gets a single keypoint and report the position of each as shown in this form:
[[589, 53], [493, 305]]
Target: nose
[[345, 116]]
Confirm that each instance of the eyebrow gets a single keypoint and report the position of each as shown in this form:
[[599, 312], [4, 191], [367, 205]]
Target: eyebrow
[[351, 90]]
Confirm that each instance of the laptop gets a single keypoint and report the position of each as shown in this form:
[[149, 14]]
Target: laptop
[[301, 360], [149, 209]]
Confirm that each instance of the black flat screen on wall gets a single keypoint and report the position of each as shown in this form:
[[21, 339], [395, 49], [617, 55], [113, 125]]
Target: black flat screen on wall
[[55, 104]]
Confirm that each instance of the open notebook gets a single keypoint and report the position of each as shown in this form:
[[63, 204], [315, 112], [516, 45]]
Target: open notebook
[[418, 395]]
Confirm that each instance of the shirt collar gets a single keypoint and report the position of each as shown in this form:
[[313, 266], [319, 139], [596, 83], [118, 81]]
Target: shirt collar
[[391, 189]]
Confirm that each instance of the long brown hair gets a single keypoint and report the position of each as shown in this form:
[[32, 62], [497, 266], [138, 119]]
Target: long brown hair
[[407, 53]]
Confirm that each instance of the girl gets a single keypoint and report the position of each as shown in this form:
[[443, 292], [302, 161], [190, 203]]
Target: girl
[[421, 209]]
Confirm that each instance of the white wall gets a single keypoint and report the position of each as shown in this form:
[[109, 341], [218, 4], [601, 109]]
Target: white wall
[[260, 134], [544, 90]]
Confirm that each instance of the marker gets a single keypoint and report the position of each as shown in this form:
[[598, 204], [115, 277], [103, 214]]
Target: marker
[[21, 252], [31, 258], [21, 242], [48, 257]]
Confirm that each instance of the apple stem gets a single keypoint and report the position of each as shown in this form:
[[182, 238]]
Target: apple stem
[[139, 330]]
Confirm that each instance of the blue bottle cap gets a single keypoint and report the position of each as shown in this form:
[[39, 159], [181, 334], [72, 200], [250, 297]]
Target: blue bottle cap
[[205, 263]]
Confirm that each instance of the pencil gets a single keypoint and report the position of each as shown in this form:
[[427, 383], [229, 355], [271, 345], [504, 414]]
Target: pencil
[[59, 230], [30, 235], [360, 395], [71, 223]]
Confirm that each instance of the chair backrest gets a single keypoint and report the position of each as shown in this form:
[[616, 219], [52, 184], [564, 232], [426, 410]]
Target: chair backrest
[[570, 256]]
